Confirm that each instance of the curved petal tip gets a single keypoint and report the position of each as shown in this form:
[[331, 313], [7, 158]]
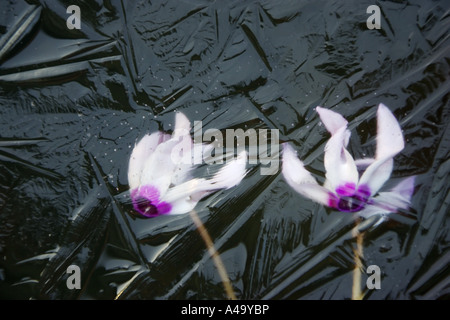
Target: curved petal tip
[[389, 134], [332, 121]]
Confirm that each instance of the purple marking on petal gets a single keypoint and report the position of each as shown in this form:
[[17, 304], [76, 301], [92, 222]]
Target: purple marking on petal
[[347, 189], [145, 207], [149, 192], [364, 190], [146, 201], [333, 201], [351, 201], [164, 207]]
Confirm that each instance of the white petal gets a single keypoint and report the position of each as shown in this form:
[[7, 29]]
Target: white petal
[[332, 121], [159, 167], [165, 137], [141, 152], [300, 179], [182, 125], [182, 206], [398, 197], [339, 164], [193, 190], [232, 173], [389, 143], [377, 174], [389, 134], [182, 173], [182, 155], [183, 152], [166, 160], [185, 190], [160, 160], [293, 169]]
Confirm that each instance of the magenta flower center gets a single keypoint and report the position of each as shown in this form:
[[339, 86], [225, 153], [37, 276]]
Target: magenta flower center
[[146, 201], [350, 199]]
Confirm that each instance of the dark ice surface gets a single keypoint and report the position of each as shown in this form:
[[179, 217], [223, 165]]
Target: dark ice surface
[[73, 103]]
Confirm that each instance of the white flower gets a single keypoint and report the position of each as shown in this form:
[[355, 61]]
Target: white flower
[[344, 189], [159, 173]]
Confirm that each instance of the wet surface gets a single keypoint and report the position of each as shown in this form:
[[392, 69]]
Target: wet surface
[[74, 102]]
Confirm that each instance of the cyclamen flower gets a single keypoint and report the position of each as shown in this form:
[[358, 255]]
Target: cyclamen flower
[[159, 173], [344, 189]]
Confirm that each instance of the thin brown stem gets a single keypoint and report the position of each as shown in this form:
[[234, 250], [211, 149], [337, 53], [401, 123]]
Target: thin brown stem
[[214, 254], [357, 294]]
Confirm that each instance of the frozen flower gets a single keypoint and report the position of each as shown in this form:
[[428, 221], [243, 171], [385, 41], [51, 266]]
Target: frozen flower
[[344, 189], [159, 173]]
